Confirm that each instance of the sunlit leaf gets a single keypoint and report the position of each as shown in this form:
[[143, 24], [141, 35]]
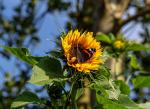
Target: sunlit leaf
[[24, 99], [21, 53], [103, 85], [134, 62], [47, 70], [104, 38], [123, 102]]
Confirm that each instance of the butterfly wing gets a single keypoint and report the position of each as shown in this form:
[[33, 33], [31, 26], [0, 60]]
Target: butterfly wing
[[79, 55]]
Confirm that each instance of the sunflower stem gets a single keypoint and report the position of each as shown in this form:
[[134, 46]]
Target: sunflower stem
[[73, 95], [71, 98]]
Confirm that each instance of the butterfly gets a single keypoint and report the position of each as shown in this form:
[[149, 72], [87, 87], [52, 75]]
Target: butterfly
[[82, 54]]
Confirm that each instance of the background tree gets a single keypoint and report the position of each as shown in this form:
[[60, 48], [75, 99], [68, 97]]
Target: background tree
[[13, 32], [107, 16]]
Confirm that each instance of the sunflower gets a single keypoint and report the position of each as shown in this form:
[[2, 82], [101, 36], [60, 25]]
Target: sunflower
[[119, 44], [82, 51]]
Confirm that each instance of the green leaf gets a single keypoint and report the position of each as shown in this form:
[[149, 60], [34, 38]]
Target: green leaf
[[24, 99], [103, 85], [112, 37], [123, 102], [47, 70], [134, 62], [104, 38], [103, 72], [21, 53], [127, 102], [113, 91], [106, 103], [73, 92], [56, 53], [137, 47], [141, 81], [124, 88]]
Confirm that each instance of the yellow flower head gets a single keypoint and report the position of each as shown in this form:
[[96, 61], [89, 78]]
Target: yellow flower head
[[118, 44], [82, 51]]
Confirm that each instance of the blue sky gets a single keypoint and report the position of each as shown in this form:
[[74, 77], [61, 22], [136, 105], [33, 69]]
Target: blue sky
[[51, 27]]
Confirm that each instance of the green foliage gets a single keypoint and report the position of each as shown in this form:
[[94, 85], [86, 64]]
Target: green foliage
[[56, 53], [47, 70], [123, 102], [104, 38], [103, 85], [21, 53], [141, 81], [137, 47], [53, 72], [124, 88], [134, 62], [26, 98]]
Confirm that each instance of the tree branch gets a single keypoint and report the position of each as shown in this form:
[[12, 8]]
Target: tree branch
[[139, 14], [124, 22]]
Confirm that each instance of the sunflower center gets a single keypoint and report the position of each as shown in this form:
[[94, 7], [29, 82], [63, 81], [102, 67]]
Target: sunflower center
[[82, 54]]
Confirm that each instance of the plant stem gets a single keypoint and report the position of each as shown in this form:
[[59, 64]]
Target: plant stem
[[73, 96]]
